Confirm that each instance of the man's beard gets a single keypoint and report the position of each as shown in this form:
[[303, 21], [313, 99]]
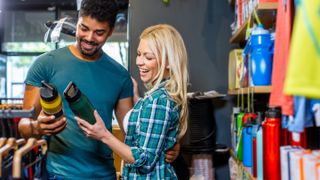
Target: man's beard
[[91, 53]]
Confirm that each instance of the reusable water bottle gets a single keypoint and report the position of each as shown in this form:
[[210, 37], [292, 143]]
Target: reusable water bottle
[[50, 100], [259, 153], [235, 113], [247, 145], [298, 139], [260, 48], [239, 137], [271, 144], [79, 103]]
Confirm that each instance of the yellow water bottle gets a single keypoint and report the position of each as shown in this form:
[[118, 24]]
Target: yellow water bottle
[[50, 100]]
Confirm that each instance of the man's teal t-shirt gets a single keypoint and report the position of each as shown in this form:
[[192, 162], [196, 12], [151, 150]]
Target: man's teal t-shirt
[[71, 154]]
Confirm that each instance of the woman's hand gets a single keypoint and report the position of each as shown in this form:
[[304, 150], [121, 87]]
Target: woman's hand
[[96, 131]]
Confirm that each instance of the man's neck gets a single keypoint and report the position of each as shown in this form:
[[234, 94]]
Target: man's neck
[[76, 52]]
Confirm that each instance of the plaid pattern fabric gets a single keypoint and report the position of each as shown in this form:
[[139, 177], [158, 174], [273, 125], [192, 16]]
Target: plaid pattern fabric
[[152, 129]]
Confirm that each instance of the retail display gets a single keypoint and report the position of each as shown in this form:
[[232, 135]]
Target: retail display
[[284, 144]]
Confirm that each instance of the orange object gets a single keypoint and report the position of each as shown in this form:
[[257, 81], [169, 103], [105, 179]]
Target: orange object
[[281, 56]]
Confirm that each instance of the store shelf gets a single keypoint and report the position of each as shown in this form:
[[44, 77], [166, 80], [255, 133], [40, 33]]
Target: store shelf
[[256, 90], [245, 174], [267, 16]]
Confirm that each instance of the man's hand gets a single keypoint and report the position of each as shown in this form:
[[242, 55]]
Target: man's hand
[[48, 125], [173, 153], [44, 125]]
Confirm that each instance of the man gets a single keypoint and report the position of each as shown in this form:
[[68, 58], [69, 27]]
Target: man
[[71, 155]]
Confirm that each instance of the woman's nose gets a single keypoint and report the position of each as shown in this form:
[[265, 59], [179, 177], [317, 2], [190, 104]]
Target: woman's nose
[[139, 61]]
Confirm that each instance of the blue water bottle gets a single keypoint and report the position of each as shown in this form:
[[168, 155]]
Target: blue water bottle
[[261, 55], [247, 145]]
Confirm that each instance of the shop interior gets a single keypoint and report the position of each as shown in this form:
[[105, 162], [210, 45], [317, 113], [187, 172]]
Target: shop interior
[[238, 53]]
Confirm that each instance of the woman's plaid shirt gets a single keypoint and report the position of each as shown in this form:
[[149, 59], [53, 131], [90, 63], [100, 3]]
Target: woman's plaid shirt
[[152, 129]]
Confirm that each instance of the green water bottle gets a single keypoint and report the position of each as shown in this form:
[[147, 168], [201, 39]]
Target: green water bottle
[[79, 103]]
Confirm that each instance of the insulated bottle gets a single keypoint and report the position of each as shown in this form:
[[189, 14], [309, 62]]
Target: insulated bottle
[[259, 153], [79, 103], [247, 145], [239, 137], [271, 144], [50, 100]]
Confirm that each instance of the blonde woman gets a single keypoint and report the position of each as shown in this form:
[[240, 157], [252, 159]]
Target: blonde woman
[[160, 117]]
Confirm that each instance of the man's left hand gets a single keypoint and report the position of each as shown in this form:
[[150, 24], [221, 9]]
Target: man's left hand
[[173, 153]]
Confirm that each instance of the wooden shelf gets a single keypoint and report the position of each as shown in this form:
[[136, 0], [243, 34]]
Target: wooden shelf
[[267, 16], [256, 90], [245, 174]]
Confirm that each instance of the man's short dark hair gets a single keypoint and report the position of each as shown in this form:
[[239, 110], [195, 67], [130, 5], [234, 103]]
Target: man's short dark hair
[[101, 10]]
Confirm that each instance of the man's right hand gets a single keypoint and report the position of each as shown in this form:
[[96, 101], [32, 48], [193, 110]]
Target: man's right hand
[[48, 125], [44, 125]]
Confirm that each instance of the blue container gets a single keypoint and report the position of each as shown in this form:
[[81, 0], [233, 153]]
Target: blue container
[[247, 145], [260, 47]]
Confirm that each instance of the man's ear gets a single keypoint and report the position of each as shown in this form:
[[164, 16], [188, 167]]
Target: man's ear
[[110, 32]]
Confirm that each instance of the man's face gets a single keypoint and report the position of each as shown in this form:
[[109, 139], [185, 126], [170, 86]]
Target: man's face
[[91, 36]]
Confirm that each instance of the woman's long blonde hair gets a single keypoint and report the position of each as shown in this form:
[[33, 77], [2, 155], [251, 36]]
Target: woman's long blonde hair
[[169, 49]]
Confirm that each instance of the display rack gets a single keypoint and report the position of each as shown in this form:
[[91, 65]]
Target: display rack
[[267, 15], [255, 89]]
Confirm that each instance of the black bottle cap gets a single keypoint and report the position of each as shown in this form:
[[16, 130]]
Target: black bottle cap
[[260, 117], [48, 92], [72, 93], [273, 112]]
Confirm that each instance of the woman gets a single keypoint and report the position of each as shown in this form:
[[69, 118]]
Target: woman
[[159, 117]]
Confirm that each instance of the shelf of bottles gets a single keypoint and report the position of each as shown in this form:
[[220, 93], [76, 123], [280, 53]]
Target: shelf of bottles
[[267, 15]]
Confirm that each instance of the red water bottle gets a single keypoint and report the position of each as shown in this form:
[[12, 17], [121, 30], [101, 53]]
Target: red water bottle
[[271, 144], [298, 139]]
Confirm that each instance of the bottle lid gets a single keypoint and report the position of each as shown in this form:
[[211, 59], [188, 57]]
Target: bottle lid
[[236, 110], [259, 30], [48, 92], [273, 112], [72, 93], [260, 117]]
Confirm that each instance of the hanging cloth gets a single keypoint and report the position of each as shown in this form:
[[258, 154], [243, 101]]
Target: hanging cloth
[[280, 58], [303, 73]]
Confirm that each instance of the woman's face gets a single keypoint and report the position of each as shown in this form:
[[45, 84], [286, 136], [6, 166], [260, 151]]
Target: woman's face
[[146, 62]]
